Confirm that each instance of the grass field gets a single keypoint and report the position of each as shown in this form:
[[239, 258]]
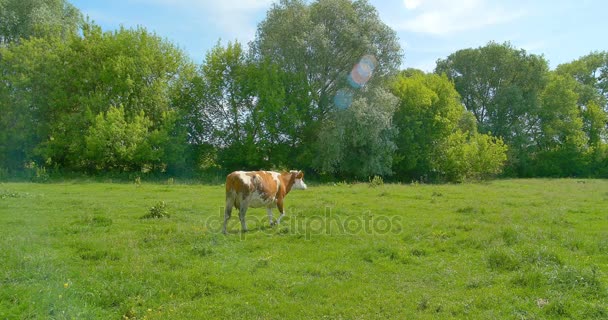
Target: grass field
[[515, 249]]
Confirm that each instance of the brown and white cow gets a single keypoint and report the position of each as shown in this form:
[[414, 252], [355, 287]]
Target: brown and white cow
[[259, 189]]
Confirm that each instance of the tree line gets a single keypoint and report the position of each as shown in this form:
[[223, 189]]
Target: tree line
[[318, 89]]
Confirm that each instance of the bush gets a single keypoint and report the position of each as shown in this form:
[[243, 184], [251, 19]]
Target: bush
[[159, 210], [37, 173], [463, 156], [376, 181]]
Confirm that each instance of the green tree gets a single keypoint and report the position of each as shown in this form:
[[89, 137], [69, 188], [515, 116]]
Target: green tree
[[37, 18], [115, 144], [469, 156], [437, 136], [317, 45], [27, 73], [429, 111], [112, 142], [561, 141], [591, 75], [228, 114], [358, 142], [501, 86], [594, 124], [132, 68], [241, 110]]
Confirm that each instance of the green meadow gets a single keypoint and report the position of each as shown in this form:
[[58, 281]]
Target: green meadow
[[507, 249]]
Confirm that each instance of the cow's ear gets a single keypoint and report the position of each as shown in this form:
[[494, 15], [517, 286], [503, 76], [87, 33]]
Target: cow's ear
[[300, 175]]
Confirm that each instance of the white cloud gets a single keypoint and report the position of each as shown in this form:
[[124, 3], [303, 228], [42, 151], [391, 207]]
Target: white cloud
[[443, 17], [412, 4]]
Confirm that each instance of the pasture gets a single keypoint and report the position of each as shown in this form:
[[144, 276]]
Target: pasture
[[517, 249]]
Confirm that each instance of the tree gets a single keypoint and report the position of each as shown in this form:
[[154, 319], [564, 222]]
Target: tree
[[317, 45], [112, 142], [22, 19], [131, 68], [561, 141], [25, 81], [235, 106], [591, 75], [469, 156], [115, 144], [594, 124], [501, 86], [358, 142], [437, 137], [429, 111]]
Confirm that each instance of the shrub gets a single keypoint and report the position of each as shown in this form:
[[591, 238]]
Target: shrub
[[37, 173], [463, 156], [376, 181], [159, 210]]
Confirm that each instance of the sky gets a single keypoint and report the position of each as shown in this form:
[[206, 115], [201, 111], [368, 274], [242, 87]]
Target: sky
[[560, 30]]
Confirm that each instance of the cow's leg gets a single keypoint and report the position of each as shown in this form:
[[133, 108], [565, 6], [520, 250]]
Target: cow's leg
[[242, 212], [280, 207], [270, 216], [227, 213]]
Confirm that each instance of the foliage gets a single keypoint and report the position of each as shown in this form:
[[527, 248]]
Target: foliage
[[561, 140], [22, 73], [376, 181], [37, 173], [465, 156], [501, 86], [591, 75], [75, 99], [359, 141], [428, 112], [437, 137], [131, 68], [239, 110], [112, 143], [157, 211], [23, 19], [317, 45], [553, 122]]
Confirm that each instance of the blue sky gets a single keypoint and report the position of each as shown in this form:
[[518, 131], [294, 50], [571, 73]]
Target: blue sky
[[428, 29]]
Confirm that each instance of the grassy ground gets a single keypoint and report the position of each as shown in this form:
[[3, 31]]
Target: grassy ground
[[528, 249]]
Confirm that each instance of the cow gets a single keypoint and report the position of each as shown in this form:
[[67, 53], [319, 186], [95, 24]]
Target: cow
[[259, 189]]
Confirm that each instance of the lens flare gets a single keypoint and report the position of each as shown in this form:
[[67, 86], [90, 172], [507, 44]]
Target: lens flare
[[343, 99], [362, 71]]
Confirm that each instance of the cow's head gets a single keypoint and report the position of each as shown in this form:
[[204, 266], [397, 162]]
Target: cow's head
[[299, 180]]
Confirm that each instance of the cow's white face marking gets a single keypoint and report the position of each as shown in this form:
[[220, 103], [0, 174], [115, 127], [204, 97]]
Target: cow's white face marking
[[299, 184]]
